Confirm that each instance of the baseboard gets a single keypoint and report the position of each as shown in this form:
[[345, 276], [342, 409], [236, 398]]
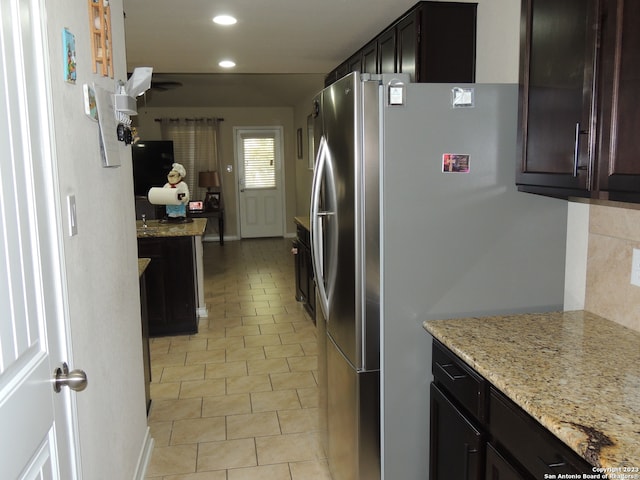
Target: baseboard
[[145, 456]]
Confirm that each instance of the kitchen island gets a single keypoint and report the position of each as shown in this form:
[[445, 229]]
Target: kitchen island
[[575, 373], [174, 278]]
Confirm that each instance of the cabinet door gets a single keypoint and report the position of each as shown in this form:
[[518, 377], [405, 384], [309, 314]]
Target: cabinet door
[[407, 45], [456, 444], [299, 269], [355, 63], [171, 285], [498, 468], [156, 294], [619, 173], [146, 355], [447, 42], [370, 58], [387, 52], [558, 51]]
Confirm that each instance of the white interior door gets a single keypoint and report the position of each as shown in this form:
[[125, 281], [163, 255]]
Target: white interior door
[[260, 178], [37, 437]]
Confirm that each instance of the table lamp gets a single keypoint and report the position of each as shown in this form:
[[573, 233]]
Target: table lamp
[[209, 180]]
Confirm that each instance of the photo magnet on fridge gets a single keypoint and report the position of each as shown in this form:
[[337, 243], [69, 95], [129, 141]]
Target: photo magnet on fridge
[[455, 163]]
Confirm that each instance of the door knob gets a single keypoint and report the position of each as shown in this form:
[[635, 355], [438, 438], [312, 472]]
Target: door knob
[[76, 380]]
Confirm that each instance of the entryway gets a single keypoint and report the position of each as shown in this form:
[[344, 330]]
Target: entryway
[[259, 163]]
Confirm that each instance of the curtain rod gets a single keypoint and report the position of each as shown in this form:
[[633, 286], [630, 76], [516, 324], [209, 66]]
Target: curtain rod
[[189, 119]]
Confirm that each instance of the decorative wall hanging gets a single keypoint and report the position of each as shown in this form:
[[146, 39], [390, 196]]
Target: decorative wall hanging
[[100, 28], [69, 56]]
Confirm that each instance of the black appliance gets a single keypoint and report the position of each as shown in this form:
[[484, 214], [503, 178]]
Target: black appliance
[[152, 160]]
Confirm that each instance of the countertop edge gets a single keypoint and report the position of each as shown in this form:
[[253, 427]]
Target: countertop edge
[[157, 229], [143, 263], [304, 222]]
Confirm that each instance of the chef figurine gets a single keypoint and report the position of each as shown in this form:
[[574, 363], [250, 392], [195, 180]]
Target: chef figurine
[[175, 178]]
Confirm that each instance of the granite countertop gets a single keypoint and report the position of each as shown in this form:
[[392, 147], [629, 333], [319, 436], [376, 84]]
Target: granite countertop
[[155, 228], [143, 263], [576, 373], [305, 222]]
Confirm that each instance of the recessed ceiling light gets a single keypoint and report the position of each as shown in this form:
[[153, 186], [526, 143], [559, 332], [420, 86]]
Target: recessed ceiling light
[[224, 20], [227, 63]]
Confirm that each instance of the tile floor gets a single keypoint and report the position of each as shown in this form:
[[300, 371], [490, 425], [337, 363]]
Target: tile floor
[[238, 401]]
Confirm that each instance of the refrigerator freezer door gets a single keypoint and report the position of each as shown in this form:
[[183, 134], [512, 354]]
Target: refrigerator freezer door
[[353, 419]]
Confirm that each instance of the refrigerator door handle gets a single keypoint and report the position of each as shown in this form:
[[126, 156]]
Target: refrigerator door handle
[[323, 278]]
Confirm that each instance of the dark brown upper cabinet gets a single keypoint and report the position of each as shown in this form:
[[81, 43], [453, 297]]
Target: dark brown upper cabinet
[[432, 42], [619, 135], [387, 52], [578, 130]]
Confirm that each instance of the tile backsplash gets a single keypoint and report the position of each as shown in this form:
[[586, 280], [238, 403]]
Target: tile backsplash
[[614, 231]]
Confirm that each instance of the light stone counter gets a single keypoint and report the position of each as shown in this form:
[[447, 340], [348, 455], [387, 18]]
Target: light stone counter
[[304, 222], [143, 263], [576, 373], [156, 228]]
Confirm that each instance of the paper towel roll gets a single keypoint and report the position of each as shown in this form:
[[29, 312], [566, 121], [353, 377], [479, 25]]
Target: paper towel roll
[[163, 196]]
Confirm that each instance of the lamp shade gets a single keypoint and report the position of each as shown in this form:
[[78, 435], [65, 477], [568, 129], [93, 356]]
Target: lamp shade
[[208, 179]]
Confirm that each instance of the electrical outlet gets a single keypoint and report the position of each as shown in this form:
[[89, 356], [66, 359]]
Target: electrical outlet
[[635, 267]]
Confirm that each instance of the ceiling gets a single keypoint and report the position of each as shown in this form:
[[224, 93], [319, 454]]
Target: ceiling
[[282, 48]]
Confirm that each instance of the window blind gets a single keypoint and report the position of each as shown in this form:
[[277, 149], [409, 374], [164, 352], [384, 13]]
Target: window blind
[[259, 162]]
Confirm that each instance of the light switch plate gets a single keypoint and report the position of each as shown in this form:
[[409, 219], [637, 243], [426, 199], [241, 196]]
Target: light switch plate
[[635, 267]]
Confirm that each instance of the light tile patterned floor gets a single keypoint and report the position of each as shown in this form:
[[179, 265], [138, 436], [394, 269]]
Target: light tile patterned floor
[[238, 401]]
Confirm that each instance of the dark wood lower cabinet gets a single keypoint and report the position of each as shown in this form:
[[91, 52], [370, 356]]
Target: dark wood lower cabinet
[[146, 355], [477, 433], [305, 283], [499, 468], [538, 451], [457, 446], [171, 285]]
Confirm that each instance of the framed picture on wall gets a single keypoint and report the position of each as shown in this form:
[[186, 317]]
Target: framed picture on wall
[[299, 142], [212, 201], [310, 143], [69, 52]]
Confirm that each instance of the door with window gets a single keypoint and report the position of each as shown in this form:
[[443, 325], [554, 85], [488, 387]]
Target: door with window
[[260, 181]]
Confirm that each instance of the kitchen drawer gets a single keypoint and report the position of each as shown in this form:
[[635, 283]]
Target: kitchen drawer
[[463, 383], [150, 247], [528, 442]]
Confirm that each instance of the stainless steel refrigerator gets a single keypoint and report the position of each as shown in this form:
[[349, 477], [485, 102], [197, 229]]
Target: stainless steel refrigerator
[[414, 216]]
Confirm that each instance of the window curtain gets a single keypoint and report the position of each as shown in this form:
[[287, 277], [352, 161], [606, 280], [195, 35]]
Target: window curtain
[[195, 146]]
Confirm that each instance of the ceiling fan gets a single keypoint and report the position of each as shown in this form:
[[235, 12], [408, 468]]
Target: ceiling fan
[[164, 85]]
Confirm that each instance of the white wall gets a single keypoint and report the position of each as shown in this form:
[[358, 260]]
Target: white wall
[[498, 41], [101, 260]]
